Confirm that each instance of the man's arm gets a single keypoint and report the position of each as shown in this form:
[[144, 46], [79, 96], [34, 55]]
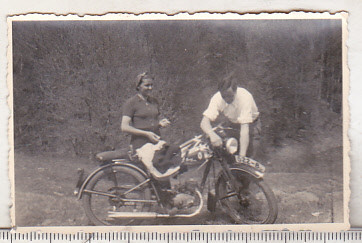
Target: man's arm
[[206, 127], [244, 139]]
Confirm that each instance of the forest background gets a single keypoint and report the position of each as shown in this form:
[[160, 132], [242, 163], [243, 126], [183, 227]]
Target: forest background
[[71, 78]]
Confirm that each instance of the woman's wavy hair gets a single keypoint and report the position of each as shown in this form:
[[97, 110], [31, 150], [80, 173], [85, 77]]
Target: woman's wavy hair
[[140, 78]]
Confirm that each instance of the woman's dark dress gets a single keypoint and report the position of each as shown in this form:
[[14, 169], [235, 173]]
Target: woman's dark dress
[[144, 115]]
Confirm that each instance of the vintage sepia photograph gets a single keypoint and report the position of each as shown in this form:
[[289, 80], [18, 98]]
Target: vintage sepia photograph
[[187, 120]]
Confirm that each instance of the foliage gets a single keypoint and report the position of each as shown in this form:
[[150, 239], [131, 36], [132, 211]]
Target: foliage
[[71, 78]]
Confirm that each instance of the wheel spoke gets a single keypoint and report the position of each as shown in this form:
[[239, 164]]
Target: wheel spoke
[[136, 187], [228, 195], [100, 193]]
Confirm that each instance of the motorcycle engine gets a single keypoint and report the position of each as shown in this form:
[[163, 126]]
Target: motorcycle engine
[[198, 153]]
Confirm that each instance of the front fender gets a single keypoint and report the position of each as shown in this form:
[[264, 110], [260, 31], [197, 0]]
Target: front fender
[[247, 169], [117, 163]]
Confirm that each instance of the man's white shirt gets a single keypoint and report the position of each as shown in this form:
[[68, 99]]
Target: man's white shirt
[[242, 110]]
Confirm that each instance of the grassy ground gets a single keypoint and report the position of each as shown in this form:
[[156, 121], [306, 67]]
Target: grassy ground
[[307, 184]]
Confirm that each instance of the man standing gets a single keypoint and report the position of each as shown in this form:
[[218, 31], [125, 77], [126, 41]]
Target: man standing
[[239, 107]]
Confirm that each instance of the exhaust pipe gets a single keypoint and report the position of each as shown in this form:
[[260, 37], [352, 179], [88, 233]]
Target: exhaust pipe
[[156, 215]]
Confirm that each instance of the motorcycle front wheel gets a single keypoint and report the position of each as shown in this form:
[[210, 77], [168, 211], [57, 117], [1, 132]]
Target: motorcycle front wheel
[[252, 203], [106, 194]]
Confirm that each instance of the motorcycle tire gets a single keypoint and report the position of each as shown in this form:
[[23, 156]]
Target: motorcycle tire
[[254, 203], [115, 180]]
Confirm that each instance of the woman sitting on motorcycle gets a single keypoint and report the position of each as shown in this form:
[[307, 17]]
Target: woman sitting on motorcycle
[[141, 118]]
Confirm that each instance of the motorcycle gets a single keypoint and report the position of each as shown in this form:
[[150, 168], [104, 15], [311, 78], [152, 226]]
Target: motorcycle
[[123, 191]]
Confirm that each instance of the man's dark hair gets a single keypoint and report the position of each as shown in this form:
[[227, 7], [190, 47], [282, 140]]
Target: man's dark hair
[[227, 82]]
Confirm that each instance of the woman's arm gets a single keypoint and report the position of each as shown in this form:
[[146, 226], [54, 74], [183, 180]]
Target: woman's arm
[[126, 127]]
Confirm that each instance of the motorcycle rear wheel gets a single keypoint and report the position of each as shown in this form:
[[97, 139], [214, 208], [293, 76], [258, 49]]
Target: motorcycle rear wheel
[[253, 203], [115, 180]]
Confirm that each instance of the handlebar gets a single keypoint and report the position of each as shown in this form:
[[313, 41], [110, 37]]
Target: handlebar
[[198, 137]]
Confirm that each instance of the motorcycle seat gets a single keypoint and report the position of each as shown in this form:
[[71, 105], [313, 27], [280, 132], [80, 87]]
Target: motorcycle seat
[[110, 155]]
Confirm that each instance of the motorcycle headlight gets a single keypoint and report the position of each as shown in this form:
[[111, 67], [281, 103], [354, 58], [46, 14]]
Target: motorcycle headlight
[[232, 145]]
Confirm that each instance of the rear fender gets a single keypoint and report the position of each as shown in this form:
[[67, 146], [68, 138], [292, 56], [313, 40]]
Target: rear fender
[[124, 163]]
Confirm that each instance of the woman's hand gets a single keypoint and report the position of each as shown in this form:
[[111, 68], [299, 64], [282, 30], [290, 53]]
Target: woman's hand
[[126, 127], [153, 137], [164, 122]]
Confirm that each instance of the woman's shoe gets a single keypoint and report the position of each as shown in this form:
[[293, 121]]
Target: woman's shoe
[[165, 176]]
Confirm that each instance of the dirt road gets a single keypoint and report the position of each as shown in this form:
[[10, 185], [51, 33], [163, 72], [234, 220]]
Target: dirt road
[[44, 189]]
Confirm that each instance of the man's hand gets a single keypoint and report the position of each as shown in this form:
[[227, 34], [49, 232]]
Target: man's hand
[[164, 122], [152, 136], [215, 139]]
